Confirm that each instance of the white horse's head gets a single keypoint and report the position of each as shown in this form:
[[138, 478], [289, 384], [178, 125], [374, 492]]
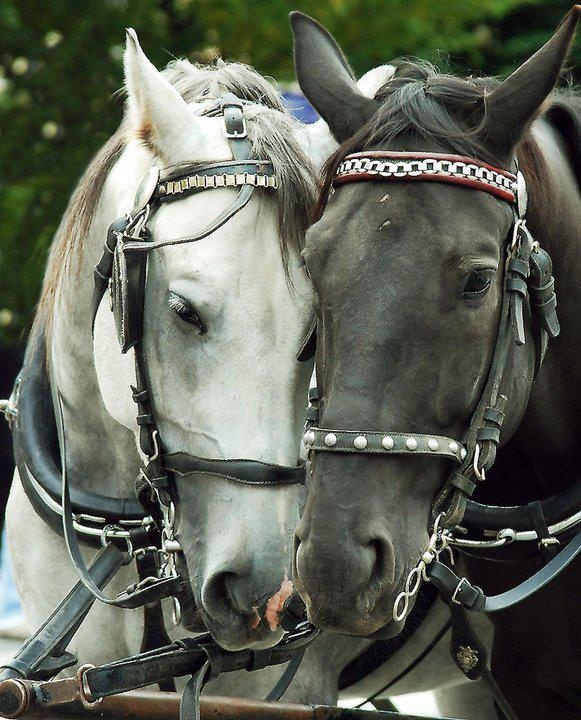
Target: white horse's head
[[224, 319]]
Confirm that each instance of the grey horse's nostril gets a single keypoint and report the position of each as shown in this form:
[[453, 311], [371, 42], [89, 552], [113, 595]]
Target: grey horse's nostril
[[219, 599]]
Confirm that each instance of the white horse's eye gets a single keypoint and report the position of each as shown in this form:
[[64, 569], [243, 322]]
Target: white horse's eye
[[186, 312]]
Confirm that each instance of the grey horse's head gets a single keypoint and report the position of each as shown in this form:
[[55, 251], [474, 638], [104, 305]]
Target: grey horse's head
[[408, 278]]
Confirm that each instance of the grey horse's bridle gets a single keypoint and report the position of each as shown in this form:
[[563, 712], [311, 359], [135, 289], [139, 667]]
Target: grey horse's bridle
[[527, 275], [123, 270]]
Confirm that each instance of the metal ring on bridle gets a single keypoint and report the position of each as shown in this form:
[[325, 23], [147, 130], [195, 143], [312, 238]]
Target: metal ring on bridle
[[83, 688], [115, 532]]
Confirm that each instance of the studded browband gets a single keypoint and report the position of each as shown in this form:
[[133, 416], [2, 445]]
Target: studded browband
[[434, 167]]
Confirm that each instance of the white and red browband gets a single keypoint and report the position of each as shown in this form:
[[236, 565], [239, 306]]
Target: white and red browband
[[434, 167]]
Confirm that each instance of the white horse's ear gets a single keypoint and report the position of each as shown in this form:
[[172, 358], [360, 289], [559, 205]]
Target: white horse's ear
[[320, 143], [159, 116]]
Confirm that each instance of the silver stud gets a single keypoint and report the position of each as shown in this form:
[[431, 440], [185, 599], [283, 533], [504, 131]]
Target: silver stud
[[330, 439], [433, 444], [309, 437], [387, 442], [453, 446], [360, 442], [463, 454], [411, 443]]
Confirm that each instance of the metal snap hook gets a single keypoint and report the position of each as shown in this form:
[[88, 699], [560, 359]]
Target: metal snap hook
[[154, 439], [479, 472]]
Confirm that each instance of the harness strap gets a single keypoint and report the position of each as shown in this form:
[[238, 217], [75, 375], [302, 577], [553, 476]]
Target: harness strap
[[154, 632], [250, 472], [134, 596], [258, 173], [241, 200], [286, 678], [470, 656], [235, 126], [460, 590], [190, 701], [393, 443]]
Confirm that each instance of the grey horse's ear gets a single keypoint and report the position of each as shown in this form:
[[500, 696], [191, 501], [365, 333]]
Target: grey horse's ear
[[327, 80], [514, 103]]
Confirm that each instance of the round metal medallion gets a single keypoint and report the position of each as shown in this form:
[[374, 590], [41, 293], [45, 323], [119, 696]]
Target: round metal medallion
[[467, 658]]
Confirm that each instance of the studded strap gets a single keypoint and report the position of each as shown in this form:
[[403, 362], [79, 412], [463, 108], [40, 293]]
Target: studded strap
[[394, 443], [435, 167], [259, 173]]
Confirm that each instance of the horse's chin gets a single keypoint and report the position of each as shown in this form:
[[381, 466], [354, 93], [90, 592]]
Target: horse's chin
[[359, 617], [371, 626], [241, 633]]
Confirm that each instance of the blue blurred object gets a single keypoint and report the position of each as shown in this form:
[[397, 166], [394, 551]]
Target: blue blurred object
[[300, 107], [10, 610]]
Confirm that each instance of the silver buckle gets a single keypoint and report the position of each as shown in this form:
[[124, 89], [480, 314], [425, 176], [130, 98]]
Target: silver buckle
[[10, 407], [463, 581], [235, 135], [237, 103]]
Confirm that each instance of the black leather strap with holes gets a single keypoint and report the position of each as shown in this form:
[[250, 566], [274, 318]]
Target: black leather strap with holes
[[250, 472], [460, 590]]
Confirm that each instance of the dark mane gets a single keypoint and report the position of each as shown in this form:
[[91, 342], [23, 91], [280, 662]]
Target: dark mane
[[420, 102]]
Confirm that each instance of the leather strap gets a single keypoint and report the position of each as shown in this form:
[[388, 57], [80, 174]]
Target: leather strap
[[251, 472], [258, 173], [36, 449], [190, 702], [286, 678], [393, 443], [235, 126], [131, 598], [469, 654], [241, 200], [154, 633], [456, 589]]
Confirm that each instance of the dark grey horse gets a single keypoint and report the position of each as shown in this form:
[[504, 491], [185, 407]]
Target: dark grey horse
[[409, 278]]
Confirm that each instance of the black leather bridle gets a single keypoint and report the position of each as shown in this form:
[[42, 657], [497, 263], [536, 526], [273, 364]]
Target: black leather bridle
[[146, 526], [144, 529], [527, 276]]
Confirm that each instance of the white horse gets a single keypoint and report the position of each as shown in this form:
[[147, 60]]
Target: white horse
[[224, 320]]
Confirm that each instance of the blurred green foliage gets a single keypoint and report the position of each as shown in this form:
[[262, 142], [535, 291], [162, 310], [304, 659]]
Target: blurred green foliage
[[61, 65]]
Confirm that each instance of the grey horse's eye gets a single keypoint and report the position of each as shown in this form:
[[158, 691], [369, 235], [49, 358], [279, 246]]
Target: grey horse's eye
[[187, 312], [478, 283]]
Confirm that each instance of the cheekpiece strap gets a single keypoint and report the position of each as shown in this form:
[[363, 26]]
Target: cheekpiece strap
[[434, 167]]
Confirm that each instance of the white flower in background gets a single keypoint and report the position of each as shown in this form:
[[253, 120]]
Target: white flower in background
[[53, 38], [50, 130], [20, 66]]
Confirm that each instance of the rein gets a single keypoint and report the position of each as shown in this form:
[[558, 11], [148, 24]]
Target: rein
[[527, 276]]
